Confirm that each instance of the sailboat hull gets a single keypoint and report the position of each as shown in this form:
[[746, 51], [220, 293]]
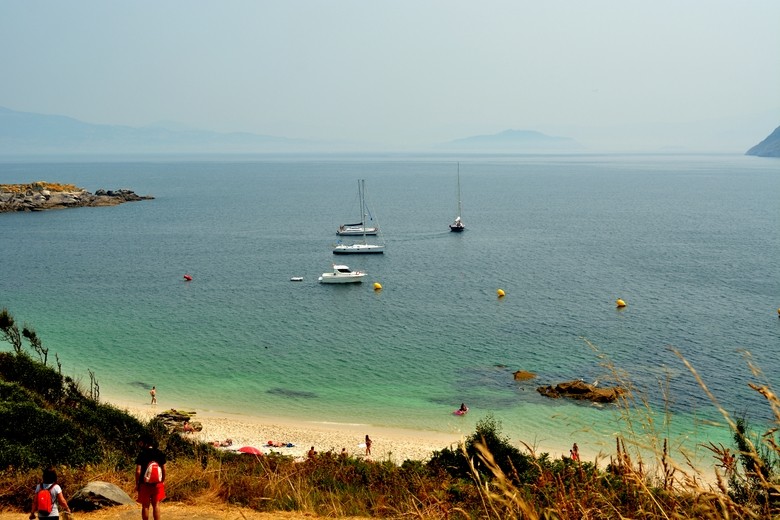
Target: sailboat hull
[[358, 249], [353, 231], [455, 228]]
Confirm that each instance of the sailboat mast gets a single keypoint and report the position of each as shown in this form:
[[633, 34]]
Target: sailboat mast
[[361, 190], [459, 201]]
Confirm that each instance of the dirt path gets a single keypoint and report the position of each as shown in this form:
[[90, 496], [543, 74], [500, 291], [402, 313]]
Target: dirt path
[[177, 511]]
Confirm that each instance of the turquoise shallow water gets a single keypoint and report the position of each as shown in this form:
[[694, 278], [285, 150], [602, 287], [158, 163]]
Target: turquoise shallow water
[[691, 243]]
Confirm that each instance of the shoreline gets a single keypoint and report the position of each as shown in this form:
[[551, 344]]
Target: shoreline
[[388, 443]]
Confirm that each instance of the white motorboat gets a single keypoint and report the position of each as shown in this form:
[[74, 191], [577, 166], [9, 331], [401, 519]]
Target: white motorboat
[[360, 247], [342, 274]]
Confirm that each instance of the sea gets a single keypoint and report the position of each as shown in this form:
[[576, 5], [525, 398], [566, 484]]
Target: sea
[[691, 244]]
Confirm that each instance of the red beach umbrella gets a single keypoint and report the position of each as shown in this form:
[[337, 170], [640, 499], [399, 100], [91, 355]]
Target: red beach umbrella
[[250, 450]]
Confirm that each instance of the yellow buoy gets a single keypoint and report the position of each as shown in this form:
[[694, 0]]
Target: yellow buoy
[[500, 293], [620, 303], [377, 286]]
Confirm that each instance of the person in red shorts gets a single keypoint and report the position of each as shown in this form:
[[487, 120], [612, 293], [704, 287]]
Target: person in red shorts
[[149, 494]]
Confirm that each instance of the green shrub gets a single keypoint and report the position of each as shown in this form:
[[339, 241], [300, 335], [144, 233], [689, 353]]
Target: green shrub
[[517, 466]]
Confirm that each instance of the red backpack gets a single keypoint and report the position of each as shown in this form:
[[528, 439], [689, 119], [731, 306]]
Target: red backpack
[[153, 473], [43, 499]]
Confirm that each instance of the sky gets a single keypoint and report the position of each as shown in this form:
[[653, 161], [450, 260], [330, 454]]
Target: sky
[[405, 72]]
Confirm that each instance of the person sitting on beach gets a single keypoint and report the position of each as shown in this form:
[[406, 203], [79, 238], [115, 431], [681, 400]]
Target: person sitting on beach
[[344, 453], [187, 427], [311, 453]]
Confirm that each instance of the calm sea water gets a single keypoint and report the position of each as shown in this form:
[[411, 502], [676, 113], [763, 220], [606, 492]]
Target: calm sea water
[[691, 243]]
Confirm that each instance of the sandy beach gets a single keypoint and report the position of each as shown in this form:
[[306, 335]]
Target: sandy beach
[[392, 444]]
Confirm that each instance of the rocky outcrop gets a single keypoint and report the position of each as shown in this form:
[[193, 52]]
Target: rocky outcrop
[[523, 375], [582, 391], [178, 421], [769, 147], [43, 196], [98, 495]]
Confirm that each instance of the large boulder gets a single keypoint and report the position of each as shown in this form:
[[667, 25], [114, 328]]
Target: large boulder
[[582, 391], [98, 495], [523, 375]]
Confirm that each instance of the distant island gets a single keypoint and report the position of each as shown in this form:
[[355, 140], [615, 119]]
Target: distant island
[[513, 141], [43, 196], [769, 147]]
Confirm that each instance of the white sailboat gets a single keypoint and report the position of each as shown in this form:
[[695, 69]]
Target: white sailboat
[[359, 228], [358, 247], [457, 226]]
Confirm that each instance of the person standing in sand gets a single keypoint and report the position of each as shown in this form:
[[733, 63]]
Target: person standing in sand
[[575, 452], [153, 393], [368, 445]]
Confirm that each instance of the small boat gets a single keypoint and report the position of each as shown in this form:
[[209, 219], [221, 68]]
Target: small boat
[[356, 230], [360, 228], [360, 247], [342, 274], [296, 279], [458, 226], [351, 249]]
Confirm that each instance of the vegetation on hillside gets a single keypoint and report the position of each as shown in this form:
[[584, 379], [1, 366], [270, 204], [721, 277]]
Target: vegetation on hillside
[[37, 187], [49, 419]]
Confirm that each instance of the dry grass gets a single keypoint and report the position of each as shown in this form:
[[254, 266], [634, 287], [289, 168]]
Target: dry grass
[[38, 186]]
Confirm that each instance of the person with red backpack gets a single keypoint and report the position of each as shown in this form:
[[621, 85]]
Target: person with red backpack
[[49, 499], [150, 477]]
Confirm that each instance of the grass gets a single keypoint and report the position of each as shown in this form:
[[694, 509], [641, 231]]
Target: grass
[[485, 477]]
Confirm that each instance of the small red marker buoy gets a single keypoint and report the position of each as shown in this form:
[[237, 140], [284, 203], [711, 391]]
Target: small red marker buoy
[[188, 277]]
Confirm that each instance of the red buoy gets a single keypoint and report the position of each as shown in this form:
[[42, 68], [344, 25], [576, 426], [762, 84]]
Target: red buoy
[[188, 277]]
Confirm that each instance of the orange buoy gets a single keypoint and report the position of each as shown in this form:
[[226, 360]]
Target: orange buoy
[[377, 286], [620, 303], [500, 293]]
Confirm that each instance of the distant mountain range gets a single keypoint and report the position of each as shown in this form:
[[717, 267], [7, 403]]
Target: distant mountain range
[[25, 132], [513, 141], [769, 147], [30, 133]]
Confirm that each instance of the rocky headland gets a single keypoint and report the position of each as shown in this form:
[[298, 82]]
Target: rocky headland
[[769, 147], [43, 196]]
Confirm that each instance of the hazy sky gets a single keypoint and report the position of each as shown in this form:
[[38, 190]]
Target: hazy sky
[[397, 72]]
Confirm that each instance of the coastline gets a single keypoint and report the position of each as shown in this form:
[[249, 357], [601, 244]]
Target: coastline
[[393, 444], [388, 444]]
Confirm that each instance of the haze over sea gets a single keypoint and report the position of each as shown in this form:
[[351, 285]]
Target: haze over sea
[[691, 243]]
